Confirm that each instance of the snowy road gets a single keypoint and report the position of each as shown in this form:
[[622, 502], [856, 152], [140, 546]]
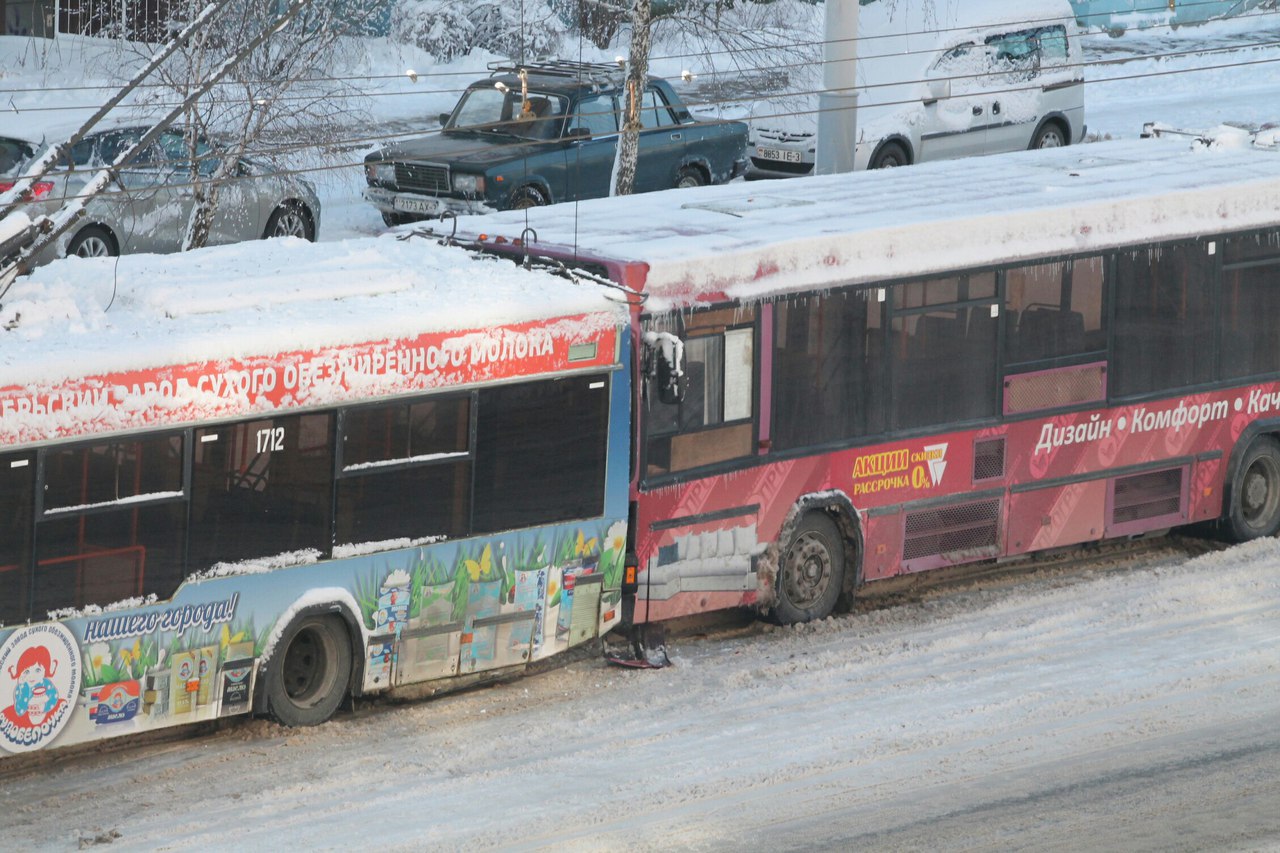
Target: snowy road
[[1128, 707]]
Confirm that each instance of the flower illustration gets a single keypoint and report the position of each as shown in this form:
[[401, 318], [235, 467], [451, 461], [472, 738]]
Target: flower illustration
[[99, 656]]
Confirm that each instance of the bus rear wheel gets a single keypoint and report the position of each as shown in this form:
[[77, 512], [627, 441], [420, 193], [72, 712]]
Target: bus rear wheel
[[310, 671], [1255, 492], [810, 572]]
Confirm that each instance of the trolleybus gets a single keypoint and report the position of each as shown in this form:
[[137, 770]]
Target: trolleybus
[[845, 378], [265, 477]]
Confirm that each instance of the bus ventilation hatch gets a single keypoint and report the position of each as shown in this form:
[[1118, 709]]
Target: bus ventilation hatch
[[1143, 496], [952, 534], [988, 459]]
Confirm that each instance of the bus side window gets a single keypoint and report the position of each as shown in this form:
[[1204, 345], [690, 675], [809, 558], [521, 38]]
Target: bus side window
[[1250, 304], [261, 488], [113, 523], [1164, 316], [1054, 311], [715, 421], [17, 500], [406, 471], [540, 452]]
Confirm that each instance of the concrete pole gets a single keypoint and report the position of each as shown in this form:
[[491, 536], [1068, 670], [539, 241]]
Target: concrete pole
[[838, 101]]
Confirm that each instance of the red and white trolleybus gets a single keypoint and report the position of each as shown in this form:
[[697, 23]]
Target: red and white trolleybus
[[846, 378]]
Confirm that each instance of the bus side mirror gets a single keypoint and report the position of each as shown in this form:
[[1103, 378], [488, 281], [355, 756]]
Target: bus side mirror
[[444, 119], [667, 354]]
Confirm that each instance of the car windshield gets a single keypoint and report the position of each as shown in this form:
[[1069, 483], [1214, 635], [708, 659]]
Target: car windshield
[[490, 109]]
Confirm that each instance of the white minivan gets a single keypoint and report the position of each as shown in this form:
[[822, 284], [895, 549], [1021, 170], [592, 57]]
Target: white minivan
[[947, 78]]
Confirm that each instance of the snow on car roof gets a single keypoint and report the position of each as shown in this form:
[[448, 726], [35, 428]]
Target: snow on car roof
[[912, 16], [78, 317], [757, 239]]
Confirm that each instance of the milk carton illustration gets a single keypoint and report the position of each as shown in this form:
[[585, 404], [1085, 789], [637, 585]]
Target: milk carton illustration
[[207, 667], [184, 683], [392, 614]]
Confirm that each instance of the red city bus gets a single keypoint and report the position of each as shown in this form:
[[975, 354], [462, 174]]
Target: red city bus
[[847, 378]]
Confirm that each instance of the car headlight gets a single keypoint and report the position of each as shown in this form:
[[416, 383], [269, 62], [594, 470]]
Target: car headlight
[[468, 183], [380, 172]]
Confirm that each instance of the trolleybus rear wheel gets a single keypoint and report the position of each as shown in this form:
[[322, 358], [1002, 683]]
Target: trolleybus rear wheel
[[309, 672], [1255, 492]]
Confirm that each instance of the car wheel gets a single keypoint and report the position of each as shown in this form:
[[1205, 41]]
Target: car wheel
[[890, 156], [690, 176], [811, 571], [1049, 136], [527, 197], [93, 242], [290, 220], [394, 219]]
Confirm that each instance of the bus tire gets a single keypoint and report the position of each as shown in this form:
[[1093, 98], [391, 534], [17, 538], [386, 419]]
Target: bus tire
[[310, 671], [1255, 492], [810, 571]]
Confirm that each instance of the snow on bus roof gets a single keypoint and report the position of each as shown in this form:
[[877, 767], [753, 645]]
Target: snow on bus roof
[[753, 240], [75, 316]]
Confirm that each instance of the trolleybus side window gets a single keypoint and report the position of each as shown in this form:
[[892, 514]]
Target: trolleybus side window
[[714, 421], [17, 493], [540, 452], [943, 350], [113, 523], [1164, 319], [406, 471], [1054, 311], [261, 488], [828, 376], [1250, 304]]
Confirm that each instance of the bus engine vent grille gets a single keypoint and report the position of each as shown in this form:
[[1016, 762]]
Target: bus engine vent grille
[[1152, 495], [988, 459], [959, 532]]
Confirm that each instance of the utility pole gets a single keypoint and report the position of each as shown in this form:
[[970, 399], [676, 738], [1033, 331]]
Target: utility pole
[[838, 100]]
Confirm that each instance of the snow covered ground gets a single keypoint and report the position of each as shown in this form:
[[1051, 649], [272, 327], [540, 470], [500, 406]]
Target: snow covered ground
[[1131, 706]]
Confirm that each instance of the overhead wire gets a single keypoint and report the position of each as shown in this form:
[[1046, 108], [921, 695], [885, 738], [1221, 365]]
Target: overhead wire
[[362, 141], [1259, 12]]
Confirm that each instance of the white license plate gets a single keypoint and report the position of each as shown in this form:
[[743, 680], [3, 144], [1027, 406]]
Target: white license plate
[[415, 205], [782, 154]]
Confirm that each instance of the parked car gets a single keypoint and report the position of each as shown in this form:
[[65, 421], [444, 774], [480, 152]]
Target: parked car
[[544, 133], [951, 82], [148, 209]]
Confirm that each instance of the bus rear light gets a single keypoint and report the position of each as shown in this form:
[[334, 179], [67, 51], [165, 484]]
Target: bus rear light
[[38, 190], [609, 614]]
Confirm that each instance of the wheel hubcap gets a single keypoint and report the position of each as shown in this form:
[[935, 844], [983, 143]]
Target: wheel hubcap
[[93, 247], [808, 571], [1260, 494], [306, 668], [291, 225]]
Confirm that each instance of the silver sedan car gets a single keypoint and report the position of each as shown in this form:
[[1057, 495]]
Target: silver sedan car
[[148, 209]]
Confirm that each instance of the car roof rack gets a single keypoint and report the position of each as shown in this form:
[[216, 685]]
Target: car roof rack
[[590, 72]]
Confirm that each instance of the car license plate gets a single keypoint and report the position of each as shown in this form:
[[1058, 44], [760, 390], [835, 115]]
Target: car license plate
[[415, 205], [778, 154]]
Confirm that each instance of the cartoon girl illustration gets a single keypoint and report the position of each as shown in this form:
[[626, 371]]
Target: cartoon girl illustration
[[34, 696]]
